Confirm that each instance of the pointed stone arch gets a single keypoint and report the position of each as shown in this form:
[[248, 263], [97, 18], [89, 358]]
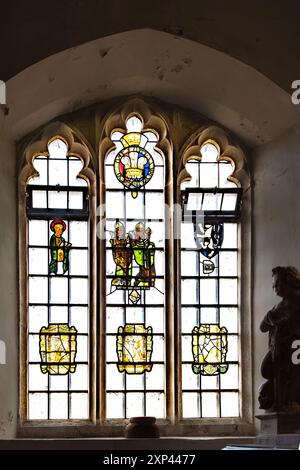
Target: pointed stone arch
[[228, 150]]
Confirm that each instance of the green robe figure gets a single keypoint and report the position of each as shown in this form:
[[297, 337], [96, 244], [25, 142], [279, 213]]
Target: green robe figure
[[59, 248], [144, 255]]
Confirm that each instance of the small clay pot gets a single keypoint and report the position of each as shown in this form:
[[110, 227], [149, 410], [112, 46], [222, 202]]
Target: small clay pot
[[142, 427]]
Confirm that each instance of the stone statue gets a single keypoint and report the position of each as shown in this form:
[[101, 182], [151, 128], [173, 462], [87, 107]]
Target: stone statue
[[281, 391]]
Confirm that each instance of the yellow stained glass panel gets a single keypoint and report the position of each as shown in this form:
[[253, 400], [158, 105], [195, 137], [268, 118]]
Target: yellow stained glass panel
[[209, 345], [58, 347], [134, 348]]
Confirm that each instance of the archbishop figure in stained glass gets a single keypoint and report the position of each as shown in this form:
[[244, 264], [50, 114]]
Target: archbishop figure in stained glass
[[209, 349], [133, 250], [134, 348], [59, 247], [144, 256], [122, 255], [58, 347]]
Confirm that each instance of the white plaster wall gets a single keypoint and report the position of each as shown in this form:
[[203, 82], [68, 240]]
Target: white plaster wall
[[276, 227], [175, 70], [8, 286]]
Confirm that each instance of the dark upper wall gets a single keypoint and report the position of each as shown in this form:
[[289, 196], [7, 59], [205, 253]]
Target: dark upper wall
[[262, 33]]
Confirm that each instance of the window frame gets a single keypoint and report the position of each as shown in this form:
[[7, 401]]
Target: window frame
[[56, 130], [116, 121], [171, 135], [124, 193], [231, 151]]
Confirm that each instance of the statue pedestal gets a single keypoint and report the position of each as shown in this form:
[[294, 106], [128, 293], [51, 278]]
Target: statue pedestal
[[279, 429]]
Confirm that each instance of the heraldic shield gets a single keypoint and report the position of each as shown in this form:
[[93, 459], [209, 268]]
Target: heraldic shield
[[209, 240]]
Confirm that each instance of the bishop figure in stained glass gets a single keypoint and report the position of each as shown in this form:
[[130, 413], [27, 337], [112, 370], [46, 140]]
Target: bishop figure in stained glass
[[122, 255], [144, 256], [133, 250]]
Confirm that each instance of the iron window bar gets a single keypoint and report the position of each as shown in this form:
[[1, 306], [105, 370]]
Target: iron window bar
[[211, 216], [64, 213]]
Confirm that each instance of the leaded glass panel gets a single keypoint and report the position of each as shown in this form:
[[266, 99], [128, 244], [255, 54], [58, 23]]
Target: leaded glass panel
[[209, 299], [135, 331], [58, 269]]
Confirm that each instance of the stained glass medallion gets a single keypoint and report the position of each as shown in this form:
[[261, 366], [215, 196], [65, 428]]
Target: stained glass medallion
[[134, 348], [58, 348], [133, 165], [59, 248], [209, 345]]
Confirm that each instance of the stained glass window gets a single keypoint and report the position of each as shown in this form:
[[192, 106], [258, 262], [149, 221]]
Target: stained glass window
[[58, 297], [135, 319], [209, 298], [97, 307]]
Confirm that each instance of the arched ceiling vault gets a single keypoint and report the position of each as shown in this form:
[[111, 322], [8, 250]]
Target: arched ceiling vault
[[262, 34], [152, 63]]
